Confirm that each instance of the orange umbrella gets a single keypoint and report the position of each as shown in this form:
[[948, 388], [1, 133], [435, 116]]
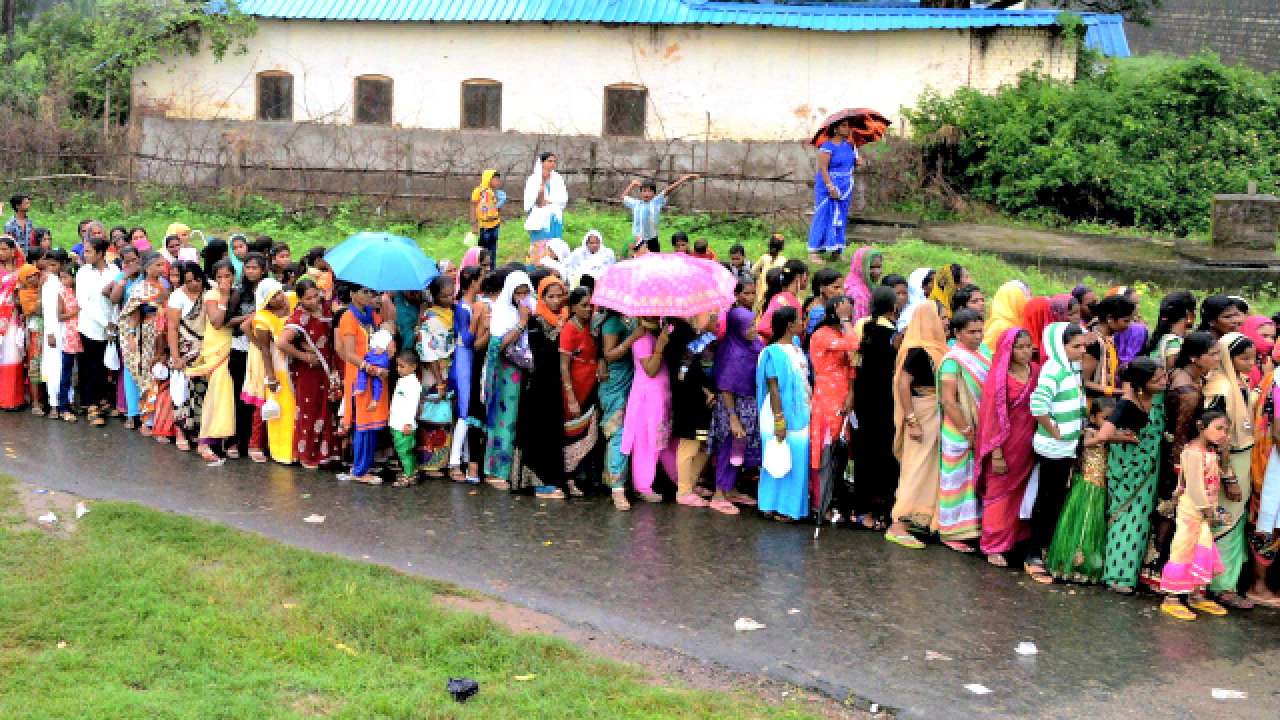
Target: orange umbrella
[[865, 126]]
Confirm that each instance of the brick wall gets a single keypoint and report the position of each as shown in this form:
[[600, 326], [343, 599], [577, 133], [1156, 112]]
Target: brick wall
[[1238, 30], [998, 56]]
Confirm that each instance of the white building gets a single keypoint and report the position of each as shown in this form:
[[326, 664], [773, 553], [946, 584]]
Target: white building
[[660, 69], [407, 101]]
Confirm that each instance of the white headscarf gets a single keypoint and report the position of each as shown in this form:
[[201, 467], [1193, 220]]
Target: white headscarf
[[557, 196], [584, 262], [559, 248], [915, 296], [267, 289], [505, 314]]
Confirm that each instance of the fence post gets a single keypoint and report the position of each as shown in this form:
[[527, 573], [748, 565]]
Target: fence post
[[591, 173], [706, 160]]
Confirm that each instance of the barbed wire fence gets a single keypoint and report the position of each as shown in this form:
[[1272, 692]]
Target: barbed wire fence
[[423, 174]]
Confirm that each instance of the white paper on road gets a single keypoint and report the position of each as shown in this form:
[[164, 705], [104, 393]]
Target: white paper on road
[[314, 519], [81, 510], [1027, 648], [744, 624], [1224, 694], [977, 689], [47, 518]]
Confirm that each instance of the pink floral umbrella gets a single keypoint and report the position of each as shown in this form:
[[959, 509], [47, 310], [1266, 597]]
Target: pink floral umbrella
[[665, 285]]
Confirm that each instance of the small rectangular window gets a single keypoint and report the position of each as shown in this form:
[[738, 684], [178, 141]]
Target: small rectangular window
[[482, 105], [373, 101], [275, 97], [624, 110]]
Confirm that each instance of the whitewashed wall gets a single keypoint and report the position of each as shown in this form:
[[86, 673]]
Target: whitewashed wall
[[757, 84]]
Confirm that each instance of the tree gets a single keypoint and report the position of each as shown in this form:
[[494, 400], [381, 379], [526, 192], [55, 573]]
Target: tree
[[1138, 11], [82, 52]]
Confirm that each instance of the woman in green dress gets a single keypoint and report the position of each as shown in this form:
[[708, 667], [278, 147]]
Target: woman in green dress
[[617, 334], [1133, 469]]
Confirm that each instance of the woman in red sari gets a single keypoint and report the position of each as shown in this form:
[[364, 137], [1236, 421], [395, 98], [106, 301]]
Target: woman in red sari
[[831, 350], [1004, 455], [579, 372], [13, 335], [305, 341]]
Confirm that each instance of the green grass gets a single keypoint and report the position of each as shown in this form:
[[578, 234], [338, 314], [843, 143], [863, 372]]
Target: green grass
[[302, 231], [168, 617], [305, 230]]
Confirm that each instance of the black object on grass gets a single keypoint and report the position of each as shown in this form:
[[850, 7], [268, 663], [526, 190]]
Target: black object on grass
[[463, 688]]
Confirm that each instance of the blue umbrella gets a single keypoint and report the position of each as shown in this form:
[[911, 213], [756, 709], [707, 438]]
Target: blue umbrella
[[382, 261]]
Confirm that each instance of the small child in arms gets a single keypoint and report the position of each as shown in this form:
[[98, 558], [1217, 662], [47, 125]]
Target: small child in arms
[[376, 357]]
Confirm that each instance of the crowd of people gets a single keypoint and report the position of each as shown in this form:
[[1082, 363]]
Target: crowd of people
[[1061, 432]]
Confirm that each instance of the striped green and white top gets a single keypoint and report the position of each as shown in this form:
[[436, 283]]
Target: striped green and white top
[[1059, 394]]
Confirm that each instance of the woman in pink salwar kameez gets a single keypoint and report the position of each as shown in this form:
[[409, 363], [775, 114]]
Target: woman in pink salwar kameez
[[1004, 455], [646, 428]]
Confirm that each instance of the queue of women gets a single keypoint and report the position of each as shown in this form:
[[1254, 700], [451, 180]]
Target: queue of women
[[1056, 433]]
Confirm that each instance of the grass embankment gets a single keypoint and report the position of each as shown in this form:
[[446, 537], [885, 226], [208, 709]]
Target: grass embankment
[[444, 239], [168, 617]]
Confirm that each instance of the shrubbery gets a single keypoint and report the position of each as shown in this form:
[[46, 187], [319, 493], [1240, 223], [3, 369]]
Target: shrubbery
[[1144, 142]]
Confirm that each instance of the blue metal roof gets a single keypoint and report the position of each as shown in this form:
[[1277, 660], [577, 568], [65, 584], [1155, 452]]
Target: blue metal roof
[[1104, 31]]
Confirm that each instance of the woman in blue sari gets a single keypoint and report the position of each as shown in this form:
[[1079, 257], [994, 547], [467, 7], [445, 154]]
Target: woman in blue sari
[[782, 381], [462, 374], [832, 193]]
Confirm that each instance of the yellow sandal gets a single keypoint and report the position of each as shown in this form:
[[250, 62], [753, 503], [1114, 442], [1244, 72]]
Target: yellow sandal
[[907, 541], [1208, 607], [1177, 610]]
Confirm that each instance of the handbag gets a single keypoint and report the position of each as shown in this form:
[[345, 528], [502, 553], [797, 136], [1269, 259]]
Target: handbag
[[111, 356], [178, 388], [520, 354], [270, 410], [437, 409]]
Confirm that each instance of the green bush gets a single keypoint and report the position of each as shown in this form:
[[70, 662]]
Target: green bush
[[1144, 143]]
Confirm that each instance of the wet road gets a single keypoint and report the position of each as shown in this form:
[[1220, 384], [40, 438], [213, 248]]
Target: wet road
[[847, 613]]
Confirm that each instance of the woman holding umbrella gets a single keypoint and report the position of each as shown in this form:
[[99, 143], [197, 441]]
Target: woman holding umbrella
[[832, 192], [367, 414]]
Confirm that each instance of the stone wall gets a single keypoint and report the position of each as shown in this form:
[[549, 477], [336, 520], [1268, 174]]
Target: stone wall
[[418, 170], [1246, 224], [1245, 31]]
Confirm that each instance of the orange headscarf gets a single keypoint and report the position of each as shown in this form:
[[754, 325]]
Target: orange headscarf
[[1036, 316], [928, 333], [544, 312], [925, 331], [29, 298]]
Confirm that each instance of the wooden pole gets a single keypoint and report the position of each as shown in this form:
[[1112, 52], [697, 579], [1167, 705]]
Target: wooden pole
[[706, 159], [106, 113], [8, 19]]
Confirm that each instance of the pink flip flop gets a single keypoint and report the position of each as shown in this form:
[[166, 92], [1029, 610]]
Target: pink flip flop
[[724, 506]]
